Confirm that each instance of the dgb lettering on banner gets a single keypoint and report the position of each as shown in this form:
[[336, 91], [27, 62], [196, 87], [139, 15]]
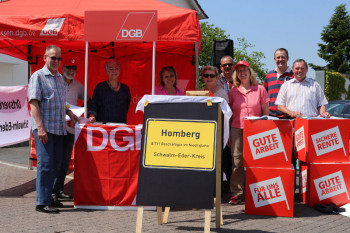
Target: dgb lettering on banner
[[132, 33]]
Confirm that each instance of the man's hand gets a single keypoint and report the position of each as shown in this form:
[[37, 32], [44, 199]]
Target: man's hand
[[92, 118], [295, 114], [42, 135], [73, 117], [326, 115]]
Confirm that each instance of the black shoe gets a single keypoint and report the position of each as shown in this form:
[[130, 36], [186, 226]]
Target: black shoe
[[62, 195], [57, 204], [46, 209]]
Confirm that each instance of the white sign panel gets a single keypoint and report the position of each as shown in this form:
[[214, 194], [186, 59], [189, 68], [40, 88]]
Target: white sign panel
[[15, 124], [268, 192], [266, 144], [330, 185], [327, 141]]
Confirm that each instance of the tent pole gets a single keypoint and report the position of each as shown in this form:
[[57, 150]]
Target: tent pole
[[153, 66], [197, 64], [86, 77]]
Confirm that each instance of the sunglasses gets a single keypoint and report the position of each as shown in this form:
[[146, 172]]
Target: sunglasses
[[209, 75], [227, 64], [53, 58]]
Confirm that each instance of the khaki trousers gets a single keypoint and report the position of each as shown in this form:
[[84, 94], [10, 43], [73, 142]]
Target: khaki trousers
[[237, 177]]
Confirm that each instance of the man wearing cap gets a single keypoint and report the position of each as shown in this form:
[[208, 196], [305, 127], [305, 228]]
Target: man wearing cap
[[275, 78], [225, 78], [47, 100], [74, 92], [301, 96]]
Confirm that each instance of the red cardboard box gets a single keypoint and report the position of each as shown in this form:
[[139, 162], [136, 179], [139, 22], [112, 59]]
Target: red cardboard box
[[329, 183], [269, 191], [303, 182], [322, 140], [267, 143]]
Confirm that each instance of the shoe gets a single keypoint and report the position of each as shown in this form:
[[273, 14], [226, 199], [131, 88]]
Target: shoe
[[62, 195], [234, 200], [57, 204], [46, 209]]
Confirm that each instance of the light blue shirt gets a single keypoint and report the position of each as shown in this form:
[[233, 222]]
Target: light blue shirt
[[50, 92]]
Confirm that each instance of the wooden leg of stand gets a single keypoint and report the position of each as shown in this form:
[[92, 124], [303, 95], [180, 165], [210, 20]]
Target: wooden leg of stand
[[139, 219], [222, 219], [160, 215], [166, 214], [207, 221]]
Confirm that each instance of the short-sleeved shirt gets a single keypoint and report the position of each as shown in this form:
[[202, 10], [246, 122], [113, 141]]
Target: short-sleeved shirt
[[160, 90], [75, 92], [273, 82], [108, 105], [50, 92], [246, 104], [305, 96]]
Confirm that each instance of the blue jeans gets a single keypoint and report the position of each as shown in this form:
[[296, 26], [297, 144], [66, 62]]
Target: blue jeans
[[68, 142], [49, 156]]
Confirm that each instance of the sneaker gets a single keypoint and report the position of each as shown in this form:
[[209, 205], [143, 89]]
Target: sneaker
[[234, 200]]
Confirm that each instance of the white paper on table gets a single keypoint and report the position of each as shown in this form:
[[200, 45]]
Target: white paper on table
[[78, 111]]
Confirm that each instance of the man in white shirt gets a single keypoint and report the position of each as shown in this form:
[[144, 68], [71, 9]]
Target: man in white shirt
[[301, 96]]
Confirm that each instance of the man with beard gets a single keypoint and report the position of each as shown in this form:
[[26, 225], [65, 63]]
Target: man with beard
[[74, 92]]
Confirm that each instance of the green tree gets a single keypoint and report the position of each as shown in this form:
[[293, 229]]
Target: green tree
[[242, 50], [336, 37], [209, 33]]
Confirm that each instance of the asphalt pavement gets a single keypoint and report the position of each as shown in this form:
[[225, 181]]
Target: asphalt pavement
[[17, 211]]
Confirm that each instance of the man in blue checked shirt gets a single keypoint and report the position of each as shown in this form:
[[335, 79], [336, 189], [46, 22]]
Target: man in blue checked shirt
[[47, 99]]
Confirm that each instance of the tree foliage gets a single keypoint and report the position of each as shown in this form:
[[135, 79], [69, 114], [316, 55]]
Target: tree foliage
[[334, 86], [242, 49], [241, 52], [336, 37]]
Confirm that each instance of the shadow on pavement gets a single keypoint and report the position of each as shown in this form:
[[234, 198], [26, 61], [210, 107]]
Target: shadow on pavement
[[19, 190]]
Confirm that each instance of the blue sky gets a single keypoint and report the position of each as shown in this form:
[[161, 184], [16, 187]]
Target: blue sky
[[270, 24]]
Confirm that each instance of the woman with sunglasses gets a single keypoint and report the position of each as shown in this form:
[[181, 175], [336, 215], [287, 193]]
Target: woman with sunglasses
[[168, 82], [210, 75], [247, 98]]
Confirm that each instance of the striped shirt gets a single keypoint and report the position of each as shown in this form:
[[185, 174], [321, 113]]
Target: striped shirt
[[50, 92], [305, 96], [272, 84]]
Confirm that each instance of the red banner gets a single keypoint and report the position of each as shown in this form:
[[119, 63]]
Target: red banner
[[106, 164]]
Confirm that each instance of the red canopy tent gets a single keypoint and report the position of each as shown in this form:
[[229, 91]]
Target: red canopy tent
[[23, 35]]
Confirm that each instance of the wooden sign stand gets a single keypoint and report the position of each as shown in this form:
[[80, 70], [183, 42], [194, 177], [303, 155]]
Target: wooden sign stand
[[207, 213]]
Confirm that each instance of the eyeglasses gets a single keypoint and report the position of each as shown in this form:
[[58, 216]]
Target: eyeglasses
[[227, 64], [74, 68], [209, 75], [53, 58]]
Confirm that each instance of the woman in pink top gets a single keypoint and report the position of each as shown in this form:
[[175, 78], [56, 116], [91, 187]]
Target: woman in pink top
[[168, 81], [246, 98]]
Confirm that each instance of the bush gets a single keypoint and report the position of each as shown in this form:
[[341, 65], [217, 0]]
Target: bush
[[334, 86]]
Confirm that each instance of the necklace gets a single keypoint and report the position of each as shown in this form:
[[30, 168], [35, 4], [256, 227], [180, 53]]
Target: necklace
[[113, 88]]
